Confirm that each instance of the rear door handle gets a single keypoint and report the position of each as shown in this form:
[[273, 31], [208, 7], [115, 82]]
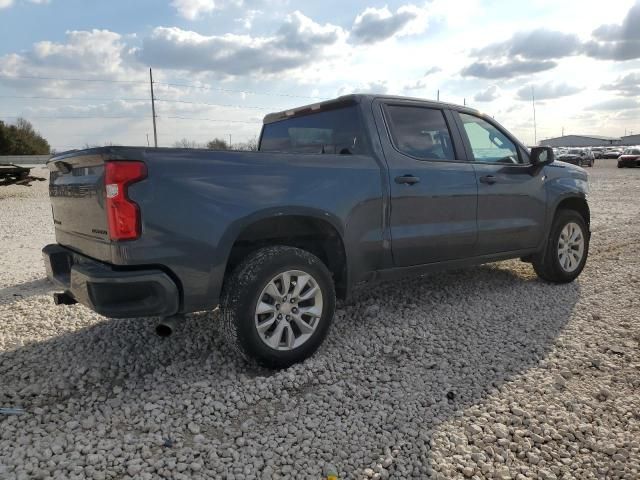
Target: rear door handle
[[488, 179], [408, 179]]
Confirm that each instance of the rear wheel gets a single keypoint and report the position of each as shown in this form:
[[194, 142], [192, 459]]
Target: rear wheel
[[566, 250], [277, 306]]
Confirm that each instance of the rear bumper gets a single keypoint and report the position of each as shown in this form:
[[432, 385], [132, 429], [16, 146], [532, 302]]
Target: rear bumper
[[109, 291]]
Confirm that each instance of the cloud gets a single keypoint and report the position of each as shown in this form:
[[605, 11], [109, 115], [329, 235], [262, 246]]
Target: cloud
[[380, 87], [616, 104], [422, 83], [506, 69], [9, 3], [536, 50], [487, 95], [548, 91], [540, 44], [378, 24], [298, 42], [617, 42], [192, 9], [629, 85], [99, 54]]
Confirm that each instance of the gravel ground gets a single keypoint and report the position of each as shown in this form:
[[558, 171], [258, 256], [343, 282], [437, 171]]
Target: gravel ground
[[482, 373]]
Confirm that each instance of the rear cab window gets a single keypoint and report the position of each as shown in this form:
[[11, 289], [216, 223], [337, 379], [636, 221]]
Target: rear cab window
[[420, 132], [335, 131]]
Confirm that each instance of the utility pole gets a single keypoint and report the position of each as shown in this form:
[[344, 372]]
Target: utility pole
[[562, 132], [535, 132], [148, 140], [464, 102], [438, 94], [229, 141], [153, 110]]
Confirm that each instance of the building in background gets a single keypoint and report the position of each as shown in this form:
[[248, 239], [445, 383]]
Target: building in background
[[580, 141], [630, 139]]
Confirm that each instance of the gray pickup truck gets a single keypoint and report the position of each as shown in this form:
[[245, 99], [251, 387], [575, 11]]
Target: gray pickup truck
[[340, 194]]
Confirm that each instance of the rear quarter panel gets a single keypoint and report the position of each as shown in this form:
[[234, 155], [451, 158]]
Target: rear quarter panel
[[195, 203]]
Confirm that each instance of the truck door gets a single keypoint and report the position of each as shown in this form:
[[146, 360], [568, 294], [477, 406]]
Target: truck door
[[511, 192], [432, 187]]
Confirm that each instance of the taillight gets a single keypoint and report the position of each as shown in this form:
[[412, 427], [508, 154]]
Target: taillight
[[122, 213]]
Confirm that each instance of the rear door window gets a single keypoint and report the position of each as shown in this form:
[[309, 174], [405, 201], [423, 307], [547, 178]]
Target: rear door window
[[420, 132], [337, 131]]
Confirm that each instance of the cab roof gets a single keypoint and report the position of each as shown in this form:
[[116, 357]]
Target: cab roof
[[354, 99]]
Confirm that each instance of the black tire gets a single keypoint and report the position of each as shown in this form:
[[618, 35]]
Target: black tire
[[240, 296], [619, 165], [546, 263]]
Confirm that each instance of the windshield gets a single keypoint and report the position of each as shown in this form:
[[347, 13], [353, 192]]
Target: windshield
[[632, 151], [574, 151], [334, 131]]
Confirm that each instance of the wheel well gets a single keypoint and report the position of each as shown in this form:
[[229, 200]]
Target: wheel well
[[577, 204], [314, 235]]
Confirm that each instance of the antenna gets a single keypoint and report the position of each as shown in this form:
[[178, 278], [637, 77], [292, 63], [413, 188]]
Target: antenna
[[535, 132]]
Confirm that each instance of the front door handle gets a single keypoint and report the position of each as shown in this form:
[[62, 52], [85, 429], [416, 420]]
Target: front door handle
[[488, 179], [408, 179]]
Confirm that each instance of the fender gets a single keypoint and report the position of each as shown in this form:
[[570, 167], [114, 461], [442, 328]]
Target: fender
[[234, 230]]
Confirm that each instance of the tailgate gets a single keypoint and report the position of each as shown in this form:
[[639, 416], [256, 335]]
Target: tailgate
[[76, 189]]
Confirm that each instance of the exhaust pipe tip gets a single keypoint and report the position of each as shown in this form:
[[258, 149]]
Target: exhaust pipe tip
[[166, 327], [164, 330], [64, 298]]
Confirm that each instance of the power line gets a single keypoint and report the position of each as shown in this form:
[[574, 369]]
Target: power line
[[139, 82], [111, 99], [66, 117], [74, 117], [44, 97], [212, 119], [229, 90], [211, 104], [68, 79]]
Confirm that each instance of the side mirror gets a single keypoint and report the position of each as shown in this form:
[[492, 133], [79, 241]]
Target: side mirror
[[541, 155]]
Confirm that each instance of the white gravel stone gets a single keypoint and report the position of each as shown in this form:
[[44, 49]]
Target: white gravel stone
[[479, 373]]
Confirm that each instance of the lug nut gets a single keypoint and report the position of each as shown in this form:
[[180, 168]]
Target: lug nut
[[293, 300], [288, 317], [279, 316], [277, 306], [294, 310], [284, 299]]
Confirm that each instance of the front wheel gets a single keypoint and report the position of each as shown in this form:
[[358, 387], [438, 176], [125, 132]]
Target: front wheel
[[566, 250], [277, 306]]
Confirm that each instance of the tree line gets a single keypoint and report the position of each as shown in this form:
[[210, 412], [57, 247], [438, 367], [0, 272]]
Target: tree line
[[21, 138], [218, 144]]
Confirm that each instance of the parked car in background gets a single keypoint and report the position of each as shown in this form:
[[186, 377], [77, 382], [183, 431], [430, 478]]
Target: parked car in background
[[597, 152], [629, 158], [340, 194], [611, 153], [577, 156]]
